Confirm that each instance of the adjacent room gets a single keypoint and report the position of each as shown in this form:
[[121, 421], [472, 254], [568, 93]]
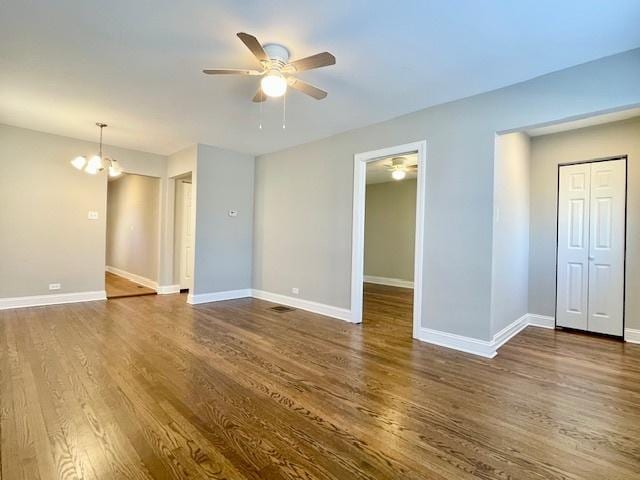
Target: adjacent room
[[133, 233], [331, 240], [389, 243]]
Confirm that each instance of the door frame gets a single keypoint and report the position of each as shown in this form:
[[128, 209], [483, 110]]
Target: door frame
[[624, 263], [357, 251]]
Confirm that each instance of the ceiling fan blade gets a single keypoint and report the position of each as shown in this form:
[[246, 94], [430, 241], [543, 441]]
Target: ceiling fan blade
[[253, 44], [259, 96], [231, 71], [314, 61], [310, 90]]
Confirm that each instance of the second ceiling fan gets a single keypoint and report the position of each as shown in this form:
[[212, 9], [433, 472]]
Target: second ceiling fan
[[277, 72]]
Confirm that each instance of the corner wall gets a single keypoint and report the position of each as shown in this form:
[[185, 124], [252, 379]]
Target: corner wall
[[510, 270], [223, 245]]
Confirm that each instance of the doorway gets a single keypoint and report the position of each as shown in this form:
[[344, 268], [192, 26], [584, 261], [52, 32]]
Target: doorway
[[409, 157], [591, 246], [133, 236]]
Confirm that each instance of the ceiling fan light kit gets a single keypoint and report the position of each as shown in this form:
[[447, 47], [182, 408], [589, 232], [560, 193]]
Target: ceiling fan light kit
[[277, 72], [97, 163], [398, 168]]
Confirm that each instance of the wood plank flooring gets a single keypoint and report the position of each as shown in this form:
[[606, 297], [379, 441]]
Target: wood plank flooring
[[150, 387], [119, 287]]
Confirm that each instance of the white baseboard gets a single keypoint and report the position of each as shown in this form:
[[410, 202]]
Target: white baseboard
[[315, 307], [485, 348], [167, 289], [392, 282], [510, 331], [475, 346], [147, 282], [542, 321], [631, 335], [217, 296], [40, 300]]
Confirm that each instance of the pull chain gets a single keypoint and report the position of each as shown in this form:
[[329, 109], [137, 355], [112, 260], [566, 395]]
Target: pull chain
[[261, 102], [284, 111]]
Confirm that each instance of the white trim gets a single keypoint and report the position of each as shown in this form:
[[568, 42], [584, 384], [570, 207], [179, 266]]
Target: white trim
[[217, 296], [168, 289], [40, 300], [392, 282], [133, 277], [360, 161], [542, 321], [631, 335], [485, 348], [315, 307], [510, 331], [482, 348]]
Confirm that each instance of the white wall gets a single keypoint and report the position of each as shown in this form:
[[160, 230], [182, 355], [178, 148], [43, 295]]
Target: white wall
[[547, 152], [223, 245], [510, 270], [133, 225], [390, 229], [304, 194]]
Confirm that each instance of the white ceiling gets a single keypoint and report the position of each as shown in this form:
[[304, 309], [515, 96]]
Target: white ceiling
[[377, 173], [136, 65]]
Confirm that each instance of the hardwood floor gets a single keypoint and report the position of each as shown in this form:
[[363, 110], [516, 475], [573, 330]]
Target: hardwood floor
[[119, 287], [150, 387]]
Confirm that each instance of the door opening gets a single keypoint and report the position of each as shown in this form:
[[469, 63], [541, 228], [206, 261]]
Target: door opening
[[382, 163]]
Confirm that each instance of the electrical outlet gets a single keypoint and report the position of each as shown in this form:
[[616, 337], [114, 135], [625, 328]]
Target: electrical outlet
[[295, 290], [54, 286], [92, 215], [233, 213]]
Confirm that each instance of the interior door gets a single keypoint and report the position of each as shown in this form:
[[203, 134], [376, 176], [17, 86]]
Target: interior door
[[606, 247], [573, 246], [186, 241]]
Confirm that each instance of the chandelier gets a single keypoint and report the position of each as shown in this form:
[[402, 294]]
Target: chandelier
[[97, 163]]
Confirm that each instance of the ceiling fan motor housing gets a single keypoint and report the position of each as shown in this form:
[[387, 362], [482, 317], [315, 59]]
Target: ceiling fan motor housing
[[278, 54]]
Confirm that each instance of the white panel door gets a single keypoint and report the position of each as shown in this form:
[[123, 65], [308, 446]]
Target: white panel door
[[573, 247], [606, 247], [186, 240]]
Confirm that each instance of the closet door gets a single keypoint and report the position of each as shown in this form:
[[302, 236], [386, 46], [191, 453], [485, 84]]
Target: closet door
[[606, 247], [573, 246]]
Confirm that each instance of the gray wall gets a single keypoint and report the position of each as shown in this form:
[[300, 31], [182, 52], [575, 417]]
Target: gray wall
[[390, 229], [304, 194], [133, 225], [45, 236], [547, 152], [223, 248], [510, 273]]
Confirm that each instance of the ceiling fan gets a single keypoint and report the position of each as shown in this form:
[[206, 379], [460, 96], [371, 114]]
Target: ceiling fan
[[399, 168], [277, 72]]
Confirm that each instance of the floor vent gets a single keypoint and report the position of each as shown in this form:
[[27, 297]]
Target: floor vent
[[282, 309]]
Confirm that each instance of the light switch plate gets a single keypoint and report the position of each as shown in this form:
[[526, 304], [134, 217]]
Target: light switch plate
[[92, 215]]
